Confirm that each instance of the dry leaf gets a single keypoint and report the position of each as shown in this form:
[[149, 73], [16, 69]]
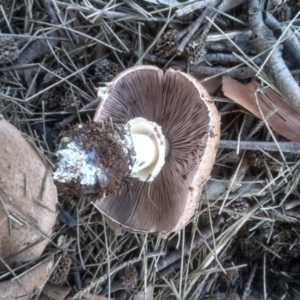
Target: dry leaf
[[211, 85], [148, 295], [285, 121], [95, 297], [55, 291]]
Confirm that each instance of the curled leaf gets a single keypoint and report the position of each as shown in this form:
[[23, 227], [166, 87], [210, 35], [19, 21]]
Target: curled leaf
[[264, 103]]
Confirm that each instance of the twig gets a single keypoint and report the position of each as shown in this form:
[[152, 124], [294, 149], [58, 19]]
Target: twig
[[211, 15], [239, 73], [290, 147], [138, 9], [193, 29], [225, 5], [168, 270], [110, 14], [113, 271], [291, 41], [76, 276], [227, 58], [53, 17], [249, 281], [194, 6], [40, 47], [263, 39], [200, 288]]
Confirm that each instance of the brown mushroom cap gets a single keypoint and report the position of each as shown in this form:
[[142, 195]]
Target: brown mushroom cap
[[190, 121], [28, 195], [31, 282]]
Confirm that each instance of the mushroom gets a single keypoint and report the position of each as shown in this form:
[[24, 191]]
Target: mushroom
[[190, 125], [28, 199], [165, 129]]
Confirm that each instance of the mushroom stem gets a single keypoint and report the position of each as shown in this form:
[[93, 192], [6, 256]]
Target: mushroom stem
[[92, 161], [95, 160], [145, 152], [150, 147]]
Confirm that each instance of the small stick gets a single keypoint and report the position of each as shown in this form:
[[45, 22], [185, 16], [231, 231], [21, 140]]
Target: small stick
[[291, 41], [168, 270], [200, 288], [248, 284], [290, 147], [194, 6], [77, 280], [293, 214], [193, 29], [152, 58], [238, 73], [110, 14], [263, 40], [225, 5], [228, 58], [53, 17]]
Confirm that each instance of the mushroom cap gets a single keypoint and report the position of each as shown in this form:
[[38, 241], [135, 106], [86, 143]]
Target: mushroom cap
[[190, 122], [28, 195], [31, 281]]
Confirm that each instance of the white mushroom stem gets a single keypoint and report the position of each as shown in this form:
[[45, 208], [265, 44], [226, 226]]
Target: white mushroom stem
[[150, 147], [145, 152], [146, 140]]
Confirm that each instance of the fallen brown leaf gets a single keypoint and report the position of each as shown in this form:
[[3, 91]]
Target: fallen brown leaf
[[95, 297], [211, 85], [56, 292], [285, 121]]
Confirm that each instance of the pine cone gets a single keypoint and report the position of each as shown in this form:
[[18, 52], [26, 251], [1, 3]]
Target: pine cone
[[60, 97], [9, 50], [53, 97], [51, 78], [240, 206], [129, 276], [283, 12], [106, 70], [61, 272], [68, 103], [166, 45], [7, 5], [126, 40], [256, 159], [196, 51]]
